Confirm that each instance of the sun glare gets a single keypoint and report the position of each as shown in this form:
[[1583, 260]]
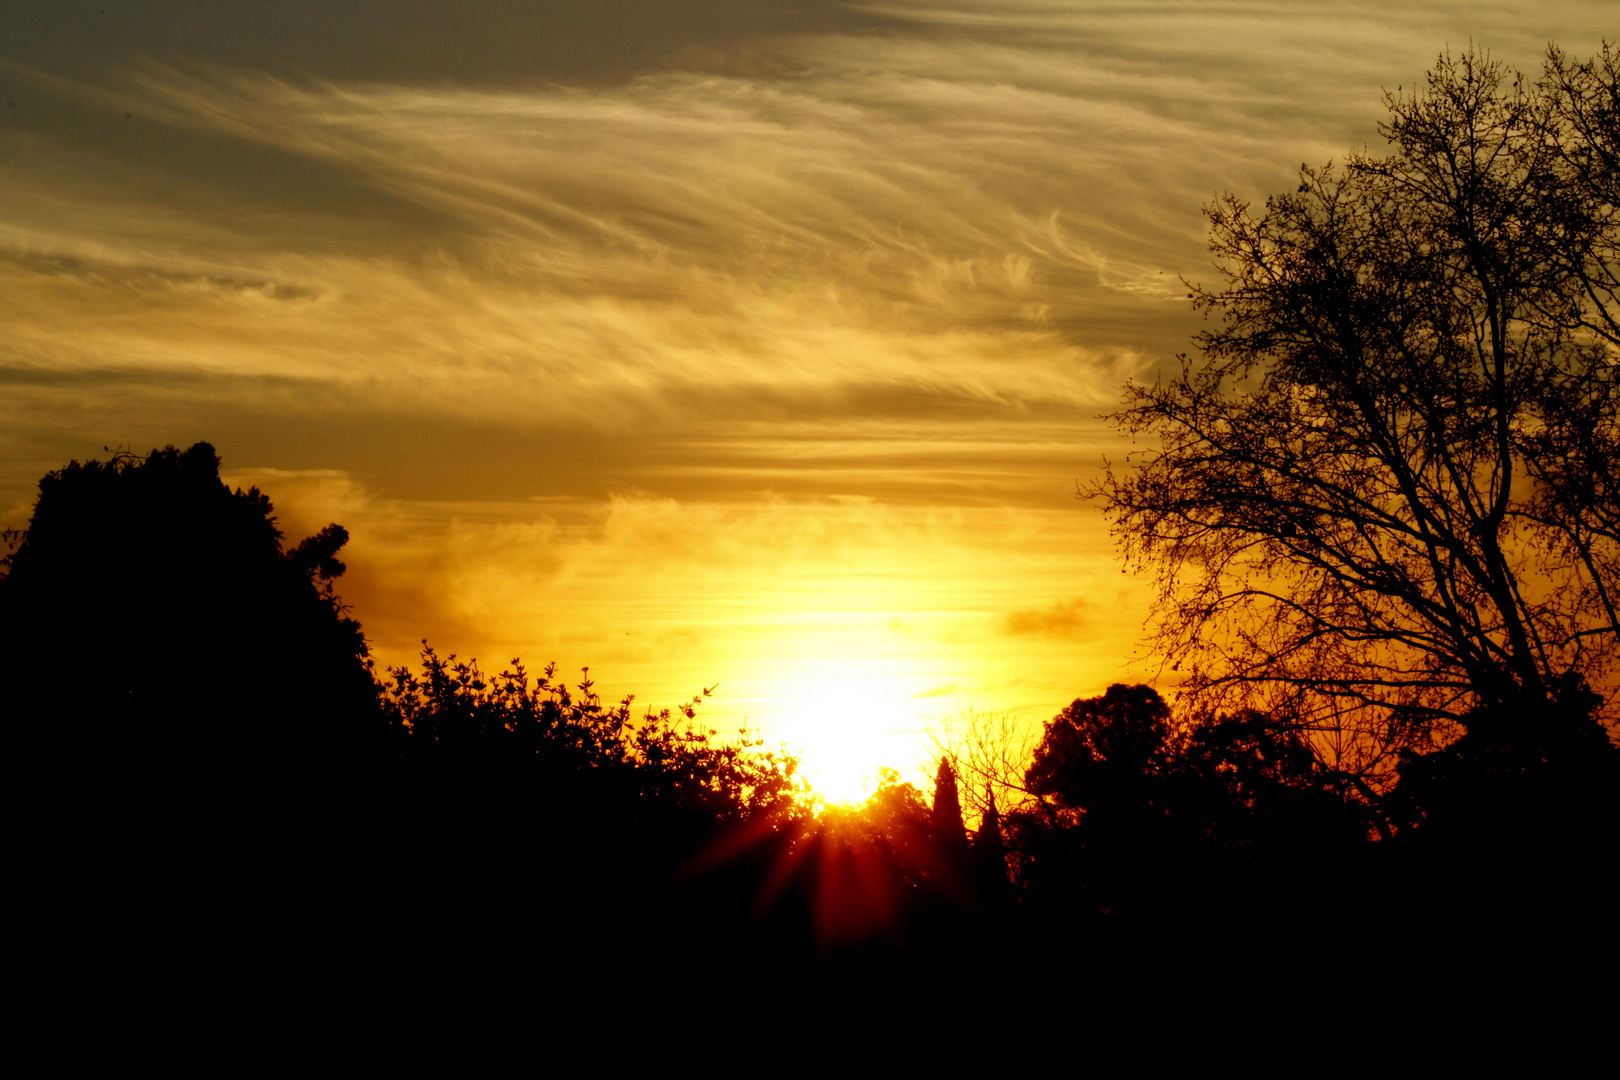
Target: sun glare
[[848, 717]]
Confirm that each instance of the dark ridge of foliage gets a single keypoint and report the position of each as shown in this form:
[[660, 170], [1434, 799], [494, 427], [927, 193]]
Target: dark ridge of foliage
[[452, 712], [451, 821], [1136, 817]]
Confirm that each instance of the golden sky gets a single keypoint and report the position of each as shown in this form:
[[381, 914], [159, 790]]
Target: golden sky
[[757, 343]]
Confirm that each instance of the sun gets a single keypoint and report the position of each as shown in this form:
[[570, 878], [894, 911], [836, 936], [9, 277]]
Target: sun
[[847, 717]]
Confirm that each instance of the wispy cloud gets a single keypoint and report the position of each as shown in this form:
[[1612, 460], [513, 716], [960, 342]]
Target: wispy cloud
[[636, 344]]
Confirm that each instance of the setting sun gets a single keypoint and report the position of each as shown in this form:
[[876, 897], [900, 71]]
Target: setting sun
[[848, 716]]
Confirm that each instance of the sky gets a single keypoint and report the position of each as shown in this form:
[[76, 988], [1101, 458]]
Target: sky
[[753, 345]]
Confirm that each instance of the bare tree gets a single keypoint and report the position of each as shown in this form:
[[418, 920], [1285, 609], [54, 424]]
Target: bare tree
[[1383, 492], [992, 752], [1585, 128]]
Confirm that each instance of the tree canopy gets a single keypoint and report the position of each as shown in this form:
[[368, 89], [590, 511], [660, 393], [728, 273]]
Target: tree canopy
[[150, 614], [1383, 493]]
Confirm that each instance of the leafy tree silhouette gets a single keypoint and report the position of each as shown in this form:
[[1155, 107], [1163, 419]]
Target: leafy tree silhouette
[[453, 714], [1100, 765], [153, 623], [1140, 813], [189, 709], [1097, 749], [515, 786]]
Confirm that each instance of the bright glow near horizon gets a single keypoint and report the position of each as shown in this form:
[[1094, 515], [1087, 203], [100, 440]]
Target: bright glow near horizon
[[854, 699]]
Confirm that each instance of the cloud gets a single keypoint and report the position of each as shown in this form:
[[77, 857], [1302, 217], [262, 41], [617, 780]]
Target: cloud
[[1063, 619], [984, 204], [493, 42], [689, 340], [678, 590]]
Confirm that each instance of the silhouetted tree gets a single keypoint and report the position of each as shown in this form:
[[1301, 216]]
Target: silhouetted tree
[[1338, 508], [1100, 750], [516, 785], [153, 625], [1250, 785], [1142, 814], [1497, 793], [990, 752], [189, 712], [951, 870], [1100, 763], [950, 833], [990, 855]]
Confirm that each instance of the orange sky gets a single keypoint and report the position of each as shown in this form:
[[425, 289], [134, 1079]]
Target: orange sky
[[759, 344]]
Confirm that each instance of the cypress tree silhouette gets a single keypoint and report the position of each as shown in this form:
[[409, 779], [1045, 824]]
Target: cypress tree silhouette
[[990, 854], [949, 833]]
